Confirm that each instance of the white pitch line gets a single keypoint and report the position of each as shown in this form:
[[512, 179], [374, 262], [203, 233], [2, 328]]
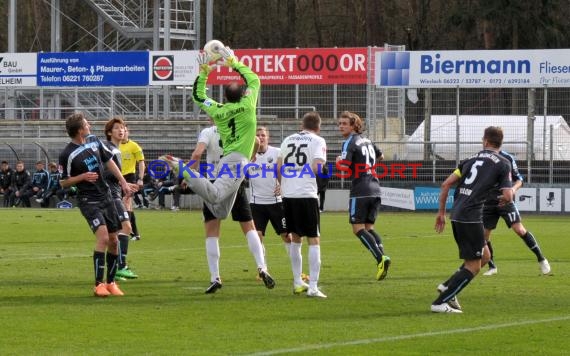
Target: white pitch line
[[63, 255], [409, 336]]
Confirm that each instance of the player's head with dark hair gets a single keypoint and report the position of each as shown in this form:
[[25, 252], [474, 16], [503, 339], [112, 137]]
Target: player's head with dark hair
[[110, 124], [233, 92], [74, 123], [312, 121], [494, 136], [354, 121], [4, 162]]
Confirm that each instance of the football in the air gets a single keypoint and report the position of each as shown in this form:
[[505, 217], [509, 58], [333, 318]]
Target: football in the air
[[212, 48]]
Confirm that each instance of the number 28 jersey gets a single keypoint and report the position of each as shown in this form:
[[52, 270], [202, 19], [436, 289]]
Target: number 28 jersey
[[359, 150], [298, 152], [479, 174]]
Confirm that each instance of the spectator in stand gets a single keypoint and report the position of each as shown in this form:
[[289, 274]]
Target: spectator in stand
[[40, 182], [5, 181], [54, 188], [162, 188], [141, 197], [21, 181], [149, 188], [181, 188]]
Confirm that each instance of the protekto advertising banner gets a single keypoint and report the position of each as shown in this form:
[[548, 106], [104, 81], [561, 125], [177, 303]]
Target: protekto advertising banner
[[299, 66]]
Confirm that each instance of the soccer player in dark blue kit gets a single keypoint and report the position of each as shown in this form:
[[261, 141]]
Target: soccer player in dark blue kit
[[82, 164], [474, 178], [360, 155], [495, 209], [115, 132]]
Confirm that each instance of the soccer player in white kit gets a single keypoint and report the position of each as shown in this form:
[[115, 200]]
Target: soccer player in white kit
[[209, 141], [302, 156], [265, 199]]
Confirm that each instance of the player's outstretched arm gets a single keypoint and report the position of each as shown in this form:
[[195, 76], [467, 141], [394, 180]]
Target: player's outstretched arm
[[444, 193], [199, 96], [250, 78]]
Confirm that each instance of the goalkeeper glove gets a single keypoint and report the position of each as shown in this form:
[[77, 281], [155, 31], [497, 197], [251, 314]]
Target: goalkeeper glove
[[228, 56], [203, 60]]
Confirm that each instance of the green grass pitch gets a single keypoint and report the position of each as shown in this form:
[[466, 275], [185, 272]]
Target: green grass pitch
[[47, 307]]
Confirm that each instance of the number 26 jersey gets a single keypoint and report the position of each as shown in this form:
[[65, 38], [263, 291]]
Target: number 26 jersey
[[298, 152]]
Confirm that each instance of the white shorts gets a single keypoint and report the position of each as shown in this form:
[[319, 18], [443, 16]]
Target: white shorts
[[219, 196]]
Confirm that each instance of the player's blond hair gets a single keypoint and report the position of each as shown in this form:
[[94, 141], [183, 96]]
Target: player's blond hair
[[354, 120]]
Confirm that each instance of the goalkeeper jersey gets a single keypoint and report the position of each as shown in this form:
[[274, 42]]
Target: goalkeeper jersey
[[236, 122]]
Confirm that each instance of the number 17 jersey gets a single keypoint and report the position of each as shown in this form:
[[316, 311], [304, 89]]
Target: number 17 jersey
[[298, 152]]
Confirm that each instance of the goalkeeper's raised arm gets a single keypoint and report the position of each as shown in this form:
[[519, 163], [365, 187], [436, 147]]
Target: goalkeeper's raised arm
[[247, 95], [235, 118]]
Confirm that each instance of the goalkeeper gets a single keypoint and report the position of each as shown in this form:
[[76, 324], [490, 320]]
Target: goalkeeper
[[236, 122]]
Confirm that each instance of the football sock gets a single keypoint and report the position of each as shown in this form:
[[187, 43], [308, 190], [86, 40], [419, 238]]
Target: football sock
[[99, 266], [296, 262], [111, 267], [370, 243], [314, 265], [458, 281], [133, 220], [446, 283], [288, 248], [492, 260], [255, 248], [531, 243], [123, 249], [378, 240], [213, 256], [264, 255]]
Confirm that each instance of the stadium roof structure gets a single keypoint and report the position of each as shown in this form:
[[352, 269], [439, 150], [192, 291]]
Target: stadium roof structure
[[471, 128]]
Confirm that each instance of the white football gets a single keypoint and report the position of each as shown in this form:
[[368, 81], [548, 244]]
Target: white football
[[212, 48]]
